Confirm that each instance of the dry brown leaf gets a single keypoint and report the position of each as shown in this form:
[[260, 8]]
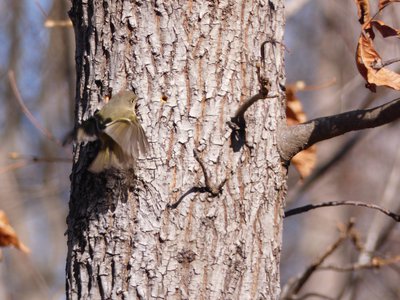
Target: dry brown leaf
[[8, 235], [363, 11], [305, 160], [383, 3], [294, 109], [385, 30], [367, 59]]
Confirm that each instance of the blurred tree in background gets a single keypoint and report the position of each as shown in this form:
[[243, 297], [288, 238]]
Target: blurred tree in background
[[34, 194], [321, 39]]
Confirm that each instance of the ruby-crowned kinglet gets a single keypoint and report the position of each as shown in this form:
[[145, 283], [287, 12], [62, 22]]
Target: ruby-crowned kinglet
[[119, 131]]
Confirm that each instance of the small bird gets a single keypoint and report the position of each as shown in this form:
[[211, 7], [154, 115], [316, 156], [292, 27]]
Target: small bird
[[119, 131]]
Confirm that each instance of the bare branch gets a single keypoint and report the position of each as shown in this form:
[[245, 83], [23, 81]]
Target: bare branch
[[305, 208], [33, 158], [324, 167], [291, 290], [265, 86], [293, 139], [249, 102], [26, 111], [13, 166], [23, 161], [194, 189], [42, 10], [375, 263], [238, 122], [379, 64]]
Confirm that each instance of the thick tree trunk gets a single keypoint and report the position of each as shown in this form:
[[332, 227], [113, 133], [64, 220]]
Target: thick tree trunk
[[191, 64]]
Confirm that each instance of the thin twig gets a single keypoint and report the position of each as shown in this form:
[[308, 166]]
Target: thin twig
[[33, 158], [305, 208], [265, 86], [238, 123], [379, 64], [262, 48], [375, 263], [14, 166], [26, 111], [355, 238], [43, 12], [194, 189], [23, 161], [292, 289]]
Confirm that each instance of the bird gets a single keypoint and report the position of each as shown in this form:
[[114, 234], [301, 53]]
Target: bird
[[122, 138]]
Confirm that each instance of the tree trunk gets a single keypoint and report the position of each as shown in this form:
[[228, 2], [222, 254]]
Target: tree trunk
[[192, 64]]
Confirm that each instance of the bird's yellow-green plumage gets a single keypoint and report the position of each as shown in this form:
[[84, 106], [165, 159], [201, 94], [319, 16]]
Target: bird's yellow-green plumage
[[119, 131]]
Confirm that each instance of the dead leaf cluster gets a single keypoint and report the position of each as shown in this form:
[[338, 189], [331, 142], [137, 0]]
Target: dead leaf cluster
[[368, 60]]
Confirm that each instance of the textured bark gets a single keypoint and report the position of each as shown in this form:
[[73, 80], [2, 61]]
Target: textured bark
[[191, 64]]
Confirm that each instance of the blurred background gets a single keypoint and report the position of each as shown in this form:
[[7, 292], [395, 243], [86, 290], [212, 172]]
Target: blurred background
[[34, 169], [321, 39]]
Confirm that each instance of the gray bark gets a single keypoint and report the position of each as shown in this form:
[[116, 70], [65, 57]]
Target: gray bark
[[192, 64]]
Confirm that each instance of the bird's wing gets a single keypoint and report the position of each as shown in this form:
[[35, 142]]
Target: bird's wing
[[109, 156], [129, 136]]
